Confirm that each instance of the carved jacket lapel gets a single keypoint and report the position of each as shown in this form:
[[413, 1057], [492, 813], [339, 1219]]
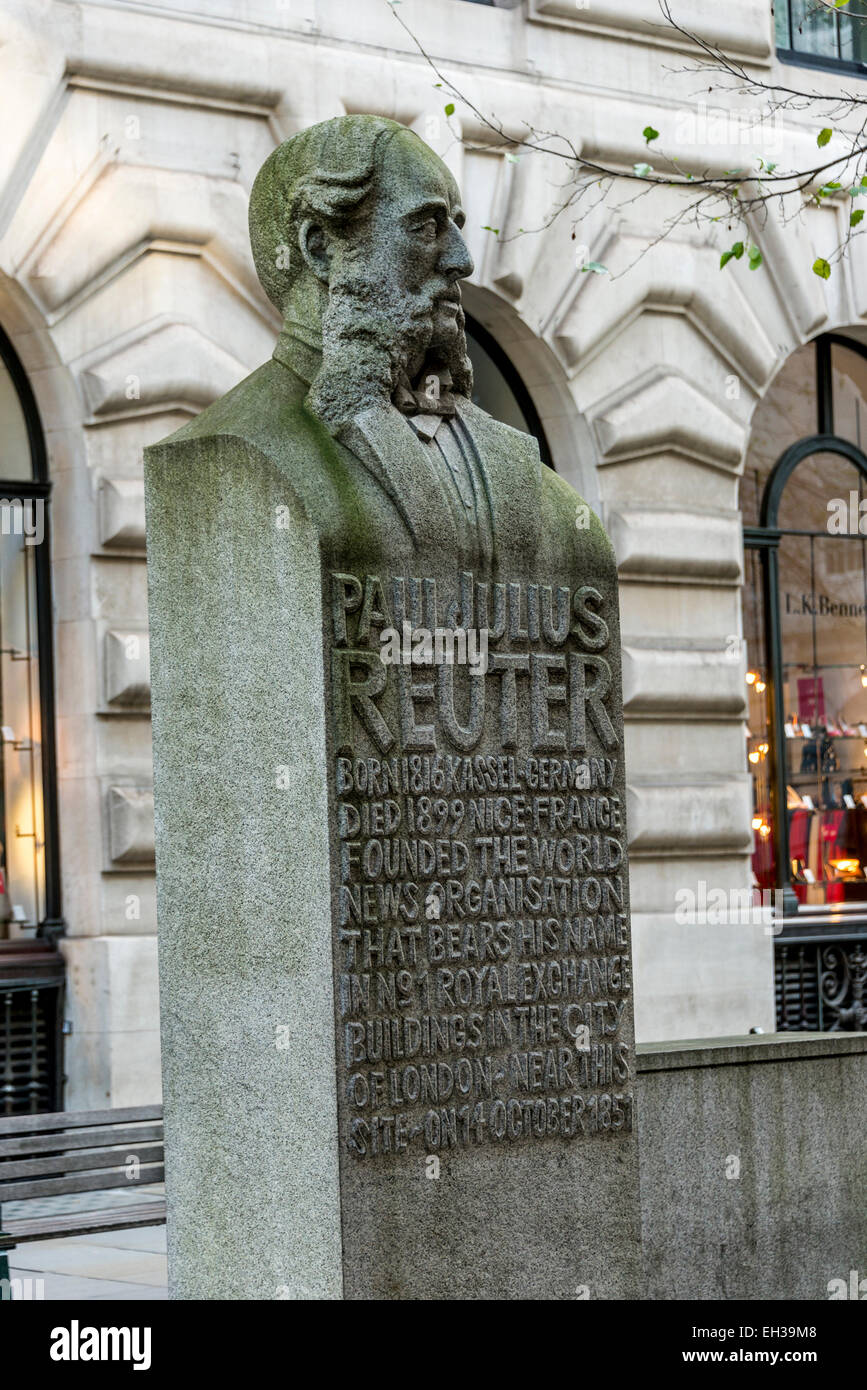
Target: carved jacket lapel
[[511, 468], [384, 441]]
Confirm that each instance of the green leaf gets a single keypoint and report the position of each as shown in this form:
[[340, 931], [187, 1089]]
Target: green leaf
[[734, 253], [755, 257], [821, 268], [450, 109], [495, 230], [824, 136], [596, 268], [856, 217], [649, 134], [642, 170], [512, 158], [838, 4]]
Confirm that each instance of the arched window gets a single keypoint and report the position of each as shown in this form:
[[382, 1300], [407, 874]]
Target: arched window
[[804, 500], [30, 897], [498, 388], [31, 969]]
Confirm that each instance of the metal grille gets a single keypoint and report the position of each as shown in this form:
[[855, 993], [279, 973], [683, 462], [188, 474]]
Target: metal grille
[[28, 1048], [797, 989], [821, 985]]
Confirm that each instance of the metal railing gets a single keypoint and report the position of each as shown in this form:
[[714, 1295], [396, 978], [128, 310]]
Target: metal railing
[[31, 1027], [820, 970]]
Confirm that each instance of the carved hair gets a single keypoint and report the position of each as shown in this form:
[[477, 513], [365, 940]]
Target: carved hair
[[326, 173]]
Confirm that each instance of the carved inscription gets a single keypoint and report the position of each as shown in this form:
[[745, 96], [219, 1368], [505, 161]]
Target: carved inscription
[[481, 957]]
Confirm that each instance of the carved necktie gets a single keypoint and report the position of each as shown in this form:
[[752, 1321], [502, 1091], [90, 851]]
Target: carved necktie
[[430, 396]]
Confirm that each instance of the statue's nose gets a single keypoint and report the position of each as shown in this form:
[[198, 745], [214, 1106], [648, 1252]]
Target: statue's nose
[[456, 261]]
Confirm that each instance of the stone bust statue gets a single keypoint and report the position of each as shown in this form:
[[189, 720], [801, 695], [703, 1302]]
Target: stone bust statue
[[365, 407], [346, 836]]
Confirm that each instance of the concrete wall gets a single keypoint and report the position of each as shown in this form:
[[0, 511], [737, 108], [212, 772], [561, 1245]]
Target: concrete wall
[[131, 136], [753, 1166]]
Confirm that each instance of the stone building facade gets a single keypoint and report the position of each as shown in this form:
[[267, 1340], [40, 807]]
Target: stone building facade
[[131, 135]]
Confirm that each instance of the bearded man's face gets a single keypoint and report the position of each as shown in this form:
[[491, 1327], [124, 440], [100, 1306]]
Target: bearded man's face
[[412, 244], [394, 304], [415, 235]]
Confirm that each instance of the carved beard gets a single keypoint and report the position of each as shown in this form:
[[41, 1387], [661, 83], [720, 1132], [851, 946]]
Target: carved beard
[[371, 333]]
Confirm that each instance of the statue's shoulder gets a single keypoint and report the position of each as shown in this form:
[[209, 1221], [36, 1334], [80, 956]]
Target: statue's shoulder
[[263, 410], [264, 424], [568, 526], [513, 468], [479, 422], [566, 516], [263, 417]]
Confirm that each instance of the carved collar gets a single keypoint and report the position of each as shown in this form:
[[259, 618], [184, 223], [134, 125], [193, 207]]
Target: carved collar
[[298, 354]]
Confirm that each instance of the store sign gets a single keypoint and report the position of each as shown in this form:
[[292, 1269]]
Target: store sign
[[822, 606]]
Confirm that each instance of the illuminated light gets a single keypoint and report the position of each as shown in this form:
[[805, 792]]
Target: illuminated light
[[755, 755], [757, 822], [752, 676], [763, 748], [846, 866], [764, 831], [760, 686], [863, 676]]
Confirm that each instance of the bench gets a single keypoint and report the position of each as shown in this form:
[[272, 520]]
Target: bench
[[66, 1152]]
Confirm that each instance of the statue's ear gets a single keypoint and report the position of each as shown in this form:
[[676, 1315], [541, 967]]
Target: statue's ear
[[313, 242]]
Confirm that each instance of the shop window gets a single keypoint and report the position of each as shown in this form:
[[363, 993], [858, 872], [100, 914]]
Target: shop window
[[29, 881], [805, 626]]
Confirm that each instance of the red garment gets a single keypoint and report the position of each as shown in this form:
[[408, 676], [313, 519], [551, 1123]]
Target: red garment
[[799, 834], [799, 837], [763, 853], [832, 822]]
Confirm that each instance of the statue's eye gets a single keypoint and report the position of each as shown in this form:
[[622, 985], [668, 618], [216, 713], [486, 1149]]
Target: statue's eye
[[428, 230]]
